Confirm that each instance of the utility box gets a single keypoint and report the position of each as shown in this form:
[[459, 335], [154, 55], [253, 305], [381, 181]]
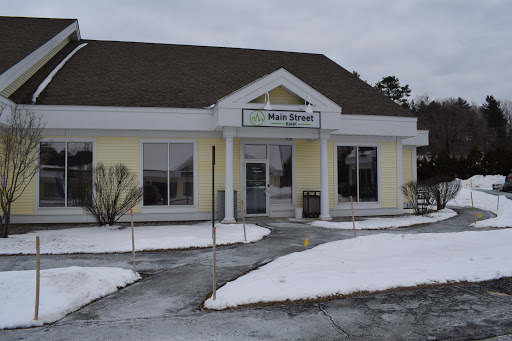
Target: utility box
[[221, 204], [311, 204]]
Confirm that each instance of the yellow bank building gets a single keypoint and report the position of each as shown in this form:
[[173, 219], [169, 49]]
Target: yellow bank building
[[281, 122]]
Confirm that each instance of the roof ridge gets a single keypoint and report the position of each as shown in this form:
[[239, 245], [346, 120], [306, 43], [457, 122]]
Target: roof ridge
[[205, 46], [44, 18]]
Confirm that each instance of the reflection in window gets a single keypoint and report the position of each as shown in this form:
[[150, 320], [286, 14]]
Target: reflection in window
[[280, 174], [347, 180], [168, 174], [181, 173], [367, 164], [255, 151], [357, 174], [56, 180], [155, 173]]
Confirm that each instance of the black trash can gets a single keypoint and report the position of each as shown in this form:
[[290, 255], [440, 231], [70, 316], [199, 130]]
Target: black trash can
[[311, 204], [221, 203]]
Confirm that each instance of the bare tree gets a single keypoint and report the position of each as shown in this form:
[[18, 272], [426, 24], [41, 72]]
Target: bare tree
[[107, 192], [454, 125], [20, 135]]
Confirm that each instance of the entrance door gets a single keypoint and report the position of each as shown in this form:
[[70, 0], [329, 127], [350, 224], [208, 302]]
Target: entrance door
[[256, 188]]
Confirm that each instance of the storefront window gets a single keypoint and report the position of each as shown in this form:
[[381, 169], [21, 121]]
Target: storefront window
[[357, 174], [255, 151], [68, 165], [168, 174], [280, 174]]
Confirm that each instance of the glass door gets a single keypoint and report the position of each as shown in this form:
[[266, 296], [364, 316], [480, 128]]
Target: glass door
[[256, 188]]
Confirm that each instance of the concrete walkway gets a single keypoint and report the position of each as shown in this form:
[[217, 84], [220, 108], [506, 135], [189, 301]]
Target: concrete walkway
[[166, 304]]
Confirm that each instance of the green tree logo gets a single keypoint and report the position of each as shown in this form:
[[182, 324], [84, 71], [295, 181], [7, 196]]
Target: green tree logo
[[257, 118]]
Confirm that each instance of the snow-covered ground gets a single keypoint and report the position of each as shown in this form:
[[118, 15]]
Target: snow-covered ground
[[373, 263], [486, 202], [369, 263], [386, 223], [384, 261], [481, 200], [113, 239], [62, 291]]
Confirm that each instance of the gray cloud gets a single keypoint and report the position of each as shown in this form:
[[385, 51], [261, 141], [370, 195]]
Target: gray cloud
[[441, 48]]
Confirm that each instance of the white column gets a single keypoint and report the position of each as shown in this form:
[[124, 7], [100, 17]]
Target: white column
[[399, 174], [324, 178], [229, 197]]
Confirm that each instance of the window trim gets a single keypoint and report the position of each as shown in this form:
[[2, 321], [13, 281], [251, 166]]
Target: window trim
[[169, 208], [358, 205], [61, 210]]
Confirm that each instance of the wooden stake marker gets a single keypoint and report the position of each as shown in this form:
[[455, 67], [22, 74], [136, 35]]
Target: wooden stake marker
[[133, 242], [473, 206], [38, 268], [243, 219], [353, 219], [498, 207]]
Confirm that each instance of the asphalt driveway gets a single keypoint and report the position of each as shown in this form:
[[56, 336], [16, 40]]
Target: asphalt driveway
[[165, 305]]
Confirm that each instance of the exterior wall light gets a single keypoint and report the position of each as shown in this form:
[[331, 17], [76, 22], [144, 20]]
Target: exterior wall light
[[307, 108], [267, 105]]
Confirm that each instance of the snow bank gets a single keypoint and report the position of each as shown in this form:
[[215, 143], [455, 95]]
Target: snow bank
[[386, 223], [62, 291], [373, 263], [112, 239], [482, 181], [486, 202]]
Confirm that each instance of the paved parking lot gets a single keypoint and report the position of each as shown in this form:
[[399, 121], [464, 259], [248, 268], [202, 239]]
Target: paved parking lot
[[166, 304]]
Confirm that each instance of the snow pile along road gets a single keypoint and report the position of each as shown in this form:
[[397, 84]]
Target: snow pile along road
[[372, 263], [482, 181], [63, 291]]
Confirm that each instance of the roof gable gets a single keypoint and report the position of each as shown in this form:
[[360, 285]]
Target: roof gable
[[21, 36], [280, 95]]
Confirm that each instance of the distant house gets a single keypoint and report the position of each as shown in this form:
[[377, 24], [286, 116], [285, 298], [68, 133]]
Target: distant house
[[282, 123]]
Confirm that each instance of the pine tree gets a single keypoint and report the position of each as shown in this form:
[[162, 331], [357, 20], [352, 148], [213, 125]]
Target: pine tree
[[390, 86], [495, 117]]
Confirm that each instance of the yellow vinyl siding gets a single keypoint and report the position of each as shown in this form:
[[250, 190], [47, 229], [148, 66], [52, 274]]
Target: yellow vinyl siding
[[279, 95], [112, 150], [25, 203], [407, 166], [204, 176], [307, 168], [11, 88], [388, 161]]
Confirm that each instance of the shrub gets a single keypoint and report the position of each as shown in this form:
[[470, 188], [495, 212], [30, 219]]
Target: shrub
[[107, 192], [418, 196]]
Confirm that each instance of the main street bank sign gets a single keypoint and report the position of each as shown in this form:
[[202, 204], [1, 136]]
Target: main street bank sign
[[279, 118]]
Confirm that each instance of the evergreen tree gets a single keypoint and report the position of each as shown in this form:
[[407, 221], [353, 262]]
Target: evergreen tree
[[495, 117], [390, 86]]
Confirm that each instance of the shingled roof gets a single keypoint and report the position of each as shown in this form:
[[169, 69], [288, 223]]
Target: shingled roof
[[20, 37], [126, 74]]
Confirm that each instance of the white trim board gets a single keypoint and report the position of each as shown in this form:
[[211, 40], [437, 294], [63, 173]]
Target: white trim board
[[26, 63]]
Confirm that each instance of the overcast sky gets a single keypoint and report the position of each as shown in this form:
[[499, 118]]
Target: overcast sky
[[443, 49]]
